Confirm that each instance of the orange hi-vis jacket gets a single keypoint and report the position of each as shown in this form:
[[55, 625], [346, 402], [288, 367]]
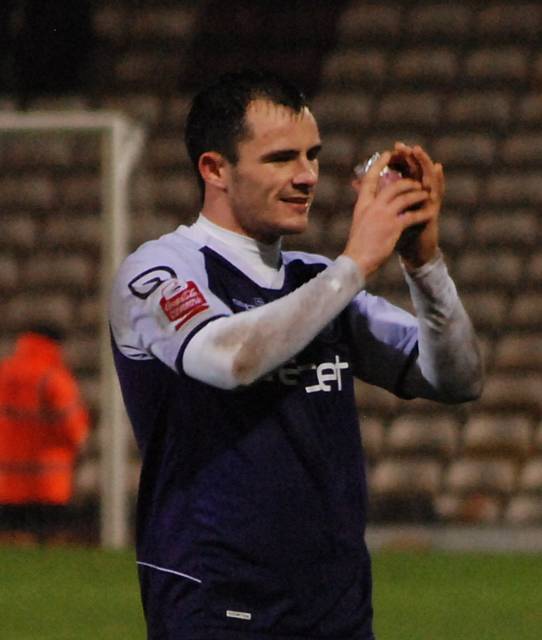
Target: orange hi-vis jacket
[[43, 423]]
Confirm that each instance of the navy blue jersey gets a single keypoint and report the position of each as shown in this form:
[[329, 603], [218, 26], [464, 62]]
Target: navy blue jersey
[[252, 502]]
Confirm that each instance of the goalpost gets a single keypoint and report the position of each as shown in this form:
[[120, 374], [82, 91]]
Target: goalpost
[[122, 142]]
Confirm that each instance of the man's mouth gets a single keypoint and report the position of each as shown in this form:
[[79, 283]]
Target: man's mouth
[[302, 201]]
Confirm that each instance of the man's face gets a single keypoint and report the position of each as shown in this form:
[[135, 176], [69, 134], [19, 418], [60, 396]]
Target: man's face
[[271, 187]]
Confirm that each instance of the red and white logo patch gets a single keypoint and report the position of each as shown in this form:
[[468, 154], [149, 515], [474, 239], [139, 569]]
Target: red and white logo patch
[[182, 301]]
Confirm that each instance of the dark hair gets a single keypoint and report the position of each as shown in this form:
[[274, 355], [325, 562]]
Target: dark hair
[[49, 330], [216, 121]]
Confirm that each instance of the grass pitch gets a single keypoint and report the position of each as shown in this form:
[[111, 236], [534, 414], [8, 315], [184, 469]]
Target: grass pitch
[[80, 594]]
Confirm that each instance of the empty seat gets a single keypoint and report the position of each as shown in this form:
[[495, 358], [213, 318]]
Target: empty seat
[[504, 64], [362, 22], [480, 269], [474, 475], [524, 510], [489, 108], [509, 21], [508, 391], [73, 231], [328, 192], [465, 149], [409, 108], [372, 435], [346, 68], [165, 152], [28, 190], [487, 309], [53, 270], [452, 229], [513, 227], [339, 150], [425, 66], [530, 479], [537, 68], [534, 268], [343, 111], [519, 351], [476, 508], [434, 435], [462, 189], [177, 191], [406, 476], [19, 230], [9, 273], [513, 187], [520, 149], [526, 311], [438, 21], [28, 308], [83, 191], [51, 150], [488, 434], [529, 109]]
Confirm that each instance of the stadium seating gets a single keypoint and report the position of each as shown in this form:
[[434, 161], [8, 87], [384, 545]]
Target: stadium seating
[[459, 78]]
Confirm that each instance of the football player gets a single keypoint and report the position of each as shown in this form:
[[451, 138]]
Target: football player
[[237, 363]]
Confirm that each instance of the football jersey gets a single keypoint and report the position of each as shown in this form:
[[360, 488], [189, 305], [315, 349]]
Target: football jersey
[[252, 501]]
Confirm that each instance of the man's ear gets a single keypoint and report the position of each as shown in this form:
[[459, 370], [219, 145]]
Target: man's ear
[[212, 167]]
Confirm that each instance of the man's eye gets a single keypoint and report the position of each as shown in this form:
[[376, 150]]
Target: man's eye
[[281, 157]]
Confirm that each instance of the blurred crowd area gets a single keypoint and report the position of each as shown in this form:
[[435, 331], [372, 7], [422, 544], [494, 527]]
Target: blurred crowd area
[[463, 79]]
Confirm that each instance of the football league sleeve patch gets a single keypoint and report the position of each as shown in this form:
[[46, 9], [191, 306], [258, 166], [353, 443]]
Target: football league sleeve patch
[[181, 301]]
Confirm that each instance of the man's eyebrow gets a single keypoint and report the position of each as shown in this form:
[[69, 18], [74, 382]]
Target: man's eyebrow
[[286, 154]]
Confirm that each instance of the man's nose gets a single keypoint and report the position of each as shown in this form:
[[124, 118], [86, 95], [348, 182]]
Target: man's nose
[[307, 174]]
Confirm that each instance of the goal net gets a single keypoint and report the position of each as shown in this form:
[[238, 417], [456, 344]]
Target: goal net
[[64, 195]]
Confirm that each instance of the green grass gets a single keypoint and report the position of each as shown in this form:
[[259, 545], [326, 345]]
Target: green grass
[[452, 596], [80, 594], [68, 594]]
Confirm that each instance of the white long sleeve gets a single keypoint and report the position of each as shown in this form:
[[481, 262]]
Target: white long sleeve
[[449, 356], [239, 349]]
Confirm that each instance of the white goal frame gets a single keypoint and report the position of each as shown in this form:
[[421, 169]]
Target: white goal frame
[[122, 143]]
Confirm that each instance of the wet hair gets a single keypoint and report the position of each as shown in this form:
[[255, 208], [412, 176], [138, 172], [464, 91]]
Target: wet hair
[[216, 121]]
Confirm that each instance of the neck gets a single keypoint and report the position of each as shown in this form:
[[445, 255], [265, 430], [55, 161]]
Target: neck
[[268, 252], [217, 210]]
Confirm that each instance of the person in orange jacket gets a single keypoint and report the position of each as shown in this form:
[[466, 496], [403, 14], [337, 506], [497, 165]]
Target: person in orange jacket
[[43, 423]]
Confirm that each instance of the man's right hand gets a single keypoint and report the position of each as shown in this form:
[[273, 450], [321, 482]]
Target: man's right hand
[[380, 216]]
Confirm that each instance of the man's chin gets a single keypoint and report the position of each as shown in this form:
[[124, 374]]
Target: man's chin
[[295, 227]]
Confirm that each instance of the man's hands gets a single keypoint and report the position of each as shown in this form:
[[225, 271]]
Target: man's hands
[[382, 213]]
